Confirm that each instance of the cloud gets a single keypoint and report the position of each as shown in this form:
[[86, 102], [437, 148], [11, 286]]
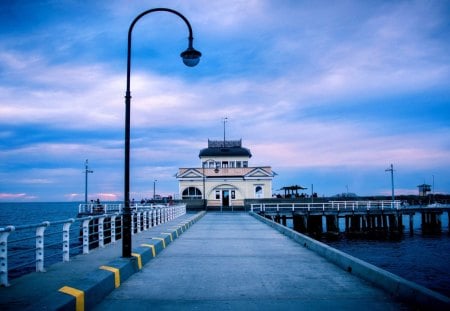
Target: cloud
[[107, 196], [16, 196]]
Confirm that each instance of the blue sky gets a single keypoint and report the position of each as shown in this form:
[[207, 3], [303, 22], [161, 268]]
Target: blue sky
[[328, 95]]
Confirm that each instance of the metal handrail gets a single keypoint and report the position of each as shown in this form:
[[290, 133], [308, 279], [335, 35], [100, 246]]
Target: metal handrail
[[329, 206], [93, 235]]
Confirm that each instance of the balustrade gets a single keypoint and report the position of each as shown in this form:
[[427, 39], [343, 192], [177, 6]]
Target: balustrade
[[93, 231]]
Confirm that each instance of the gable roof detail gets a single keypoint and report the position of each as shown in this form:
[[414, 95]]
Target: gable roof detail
[[259, 173], [189, 173]]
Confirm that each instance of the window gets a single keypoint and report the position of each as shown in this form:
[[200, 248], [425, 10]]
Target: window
[[217, 194], [224, 164], [232, 164], [191, 193], [258, 192], [238, 164], [245, 164], [233, 194]]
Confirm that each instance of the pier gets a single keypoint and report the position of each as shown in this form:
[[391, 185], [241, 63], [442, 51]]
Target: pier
[[224, 261], [376, 219]]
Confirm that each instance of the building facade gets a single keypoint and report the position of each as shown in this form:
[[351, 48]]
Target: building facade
[[225, 177]]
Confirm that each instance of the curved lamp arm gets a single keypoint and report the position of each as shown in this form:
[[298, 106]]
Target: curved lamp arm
[[191, 57]]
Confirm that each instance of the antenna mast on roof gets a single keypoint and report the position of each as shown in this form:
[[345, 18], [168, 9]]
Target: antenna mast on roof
[[224, 121]]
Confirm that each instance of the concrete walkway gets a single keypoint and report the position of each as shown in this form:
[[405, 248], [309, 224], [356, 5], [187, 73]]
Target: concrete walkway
[[234, 262]]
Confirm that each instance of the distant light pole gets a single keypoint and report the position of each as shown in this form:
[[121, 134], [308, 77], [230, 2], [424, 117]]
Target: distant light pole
[[86, 172], [224, 122], [190, 57], [154, 189], [391, 169]]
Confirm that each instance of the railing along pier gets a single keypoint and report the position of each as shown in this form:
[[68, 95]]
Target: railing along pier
[[367, 218], [40, 244]]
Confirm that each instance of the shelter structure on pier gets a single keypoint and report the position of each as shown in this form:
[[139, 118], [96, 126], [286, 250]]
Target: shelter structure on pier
[[292, 191], [225, 177], [424, 189]]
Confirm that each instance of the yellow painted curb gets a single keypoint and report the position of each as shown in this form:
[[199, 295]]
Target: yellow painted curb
[[138, 256], [176, 231], [78, 294], [116, 274], [161, 239], [171, 238], [152, 247]]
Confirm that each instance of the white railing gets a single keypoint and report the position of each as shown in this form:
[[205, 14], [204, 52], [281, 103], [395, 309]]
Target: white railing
[[325, 206], [100, 208], [40, 243]]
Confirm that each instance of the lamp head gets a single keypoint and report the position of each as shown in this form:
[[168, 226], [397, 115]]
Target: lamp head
[[191, 57]]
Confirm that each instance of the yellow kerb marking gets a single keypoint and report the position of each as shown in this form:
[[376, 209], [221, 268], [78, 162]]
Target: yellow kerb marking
[[138, 256], [152, 247], [116, 274], [161, 239], [78, 294], [176, 231], [171, 238]]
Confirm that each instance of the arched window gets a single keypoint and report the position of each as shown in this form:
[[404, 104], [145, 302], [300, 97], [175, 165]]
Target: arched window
[[258, 192], [191, 193]]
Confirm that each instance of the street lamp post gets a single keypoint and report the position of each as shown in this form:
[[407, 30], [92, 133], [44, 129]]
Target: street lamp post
[[224, 121], [190, 57], [204, 187], [391, 169], [86, 172]]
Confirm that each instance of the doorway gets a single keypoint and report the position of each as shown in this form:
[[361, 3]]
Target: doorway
[[225, 197]]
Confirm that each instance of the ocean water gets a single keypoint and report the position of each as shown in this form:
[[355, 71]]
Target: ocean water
[[419, 258], [32, 213], [21, 249]]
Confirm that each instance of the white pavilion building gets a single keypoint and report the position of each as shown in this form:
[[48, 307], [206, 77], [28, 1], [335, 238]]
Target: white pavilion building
[[225, 177]]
